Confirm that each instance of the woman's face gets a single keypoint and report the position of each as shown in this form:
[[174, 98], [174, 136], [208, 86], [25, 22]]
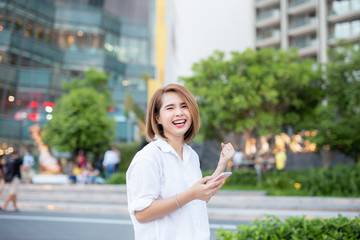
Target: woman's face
[[174, 116]]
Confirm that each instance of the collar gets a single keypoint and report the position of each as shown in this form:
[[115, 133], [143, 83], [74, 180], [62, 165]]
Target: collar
[[166, 147], [162, 144]]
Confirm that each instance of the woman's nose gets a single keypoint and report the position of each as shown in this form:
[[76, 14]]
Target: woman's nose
[[179, 111]]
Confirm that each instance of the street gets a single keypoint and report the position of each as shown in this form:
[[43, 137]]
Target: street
[[43, 225]]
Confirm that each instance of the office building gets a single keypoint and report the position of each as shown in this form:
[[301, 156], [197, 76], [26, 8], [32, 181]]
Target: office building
[[43, 43], [312, 26]]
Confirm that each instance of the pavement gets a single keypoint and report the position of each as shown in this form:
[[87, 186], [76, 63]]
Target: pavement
[[242, 206]]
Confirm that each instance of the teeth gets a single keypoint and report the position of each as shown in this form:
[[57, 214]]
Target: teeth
[[179, 122]]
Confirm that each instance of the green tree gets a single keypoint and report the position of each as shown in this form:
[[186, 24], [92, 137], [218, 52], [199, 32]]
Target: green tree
[[80, 119], [338, 117], [253, 92]]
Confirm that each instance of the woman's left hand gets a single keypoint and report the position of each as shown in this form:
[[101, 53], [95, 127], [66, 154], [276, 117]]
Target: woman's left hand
[[226, 154]]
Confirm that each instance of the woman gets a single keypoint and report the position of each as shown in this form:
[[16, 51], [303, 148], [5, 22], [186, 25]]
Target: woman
[[167, 195]]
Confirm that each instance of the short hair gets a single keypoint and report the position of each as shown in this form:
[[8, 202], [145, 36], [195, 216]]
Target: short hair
[[153, 111]]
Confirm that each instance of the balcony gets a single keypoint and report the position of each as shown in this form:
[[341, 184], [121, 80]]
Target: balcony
[[268, 40], [348, 33], [307, 48], [268, 18], [303, 27], [302, 6], [344, 13], [32, 46], [266, 3]]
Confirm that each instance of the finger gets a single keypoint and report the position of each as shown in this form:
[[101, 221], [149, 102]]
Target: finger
[[205, 179], [216, 184]]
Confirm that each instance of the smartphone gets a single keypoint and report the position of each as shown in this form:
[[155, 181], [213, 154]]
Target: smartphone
[[223, 175]]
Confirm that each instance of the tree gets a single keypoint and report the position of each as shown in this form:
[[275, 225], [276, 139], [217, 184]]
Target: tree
[[80, 119], [338, 117], [255, 92]]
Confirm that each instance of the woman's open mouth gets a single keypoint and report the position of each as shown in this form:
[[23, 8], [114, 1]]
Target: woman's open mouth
[[179, 123]]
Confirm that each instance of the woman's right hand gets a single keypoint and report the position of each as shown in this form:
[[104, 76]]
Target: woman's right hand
[[205, 189]]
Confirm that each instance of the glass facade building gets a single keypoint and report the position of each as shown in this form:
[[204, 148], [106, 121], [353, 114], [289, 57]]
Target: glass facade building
[[43, 43]]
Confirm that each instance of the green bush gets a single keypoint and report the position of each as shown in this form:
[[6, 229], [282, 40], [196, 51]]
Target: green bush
[[117, 178], [128, 151], [340, 180], [295, 228]]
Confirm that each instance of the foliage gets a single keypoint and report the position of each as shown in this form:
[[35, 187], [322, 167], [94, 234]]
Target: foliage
[[295, 228], [337, 119], [80, 119], [128, 151], [117, 178], [340, 180], [132, 106], [255, 91]]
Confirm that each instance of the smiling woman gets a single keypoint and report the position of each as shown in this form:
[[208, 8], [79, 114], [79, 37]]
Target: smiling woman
[[171, 203]]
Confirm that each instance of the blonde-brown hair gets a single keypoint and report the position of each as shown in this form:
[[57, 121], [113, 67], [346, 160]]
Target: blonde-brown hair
[[153, 111]]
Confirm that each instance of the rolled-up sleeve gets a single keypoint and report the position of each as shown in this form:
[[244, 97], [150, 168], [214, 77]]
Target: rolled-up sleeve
[[142, 183]]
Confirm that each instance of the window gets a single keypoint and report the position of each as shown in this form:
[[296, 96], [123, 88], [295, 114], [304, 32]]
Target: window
[[7, 19], [355, 25], [81, 39], [40, 32], [19, 23], [29, 30], [342, 30]]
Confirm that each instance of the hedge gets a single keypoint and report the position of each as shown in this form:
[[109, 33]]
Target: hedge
[[340, 180], [300, 228]]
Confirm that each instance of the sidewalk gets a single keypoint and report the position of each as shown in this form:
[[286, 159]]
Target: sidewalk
[[226, 205]]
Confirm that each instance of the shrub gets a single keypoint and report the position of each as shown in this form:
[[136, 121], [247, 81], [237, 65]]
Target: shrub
[[128, 151], [295, 228], [340, 180], [117, 178]]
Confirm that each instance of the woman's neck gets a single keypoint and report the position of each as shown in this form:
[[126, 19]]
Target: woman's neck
[[177, 144]]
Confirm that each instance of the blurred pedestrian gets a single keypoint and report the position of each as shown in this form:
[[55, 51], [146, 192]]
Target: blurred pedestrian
[[167, 195], [28, 163], [99, 163], [2, 168], [111, 161], [238, 160], [80, 158], [280, 160], [12, 176]]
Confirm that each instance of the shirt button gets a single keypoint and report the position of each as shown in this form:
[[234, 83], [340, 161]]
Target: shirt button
[[197, 223], [193, 203]]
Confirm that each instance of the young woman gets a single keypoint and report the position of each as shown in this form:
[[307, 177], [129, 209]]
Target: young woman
[[167, 195]]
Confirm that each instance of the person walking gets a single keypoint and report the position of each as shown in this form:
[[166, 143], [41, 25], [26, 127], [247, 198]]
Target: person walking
[[2, 170], [12, 176], [167, 196], [28, 163], [111, 160]]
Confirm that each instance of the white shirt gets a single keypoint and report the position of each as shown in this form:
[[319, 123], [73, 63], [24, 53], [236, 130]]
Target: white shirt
[[28, 160], [157, 172], [111, 157], [238, 158]]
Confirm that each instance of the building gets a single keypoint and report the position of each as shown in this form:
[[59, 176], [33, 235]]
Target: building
[[42, 45], [309, 25], [188, 31]]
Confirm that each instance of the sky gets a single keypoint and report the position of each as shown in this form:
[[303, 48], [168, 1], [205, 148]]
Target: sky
[[204, 26]]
